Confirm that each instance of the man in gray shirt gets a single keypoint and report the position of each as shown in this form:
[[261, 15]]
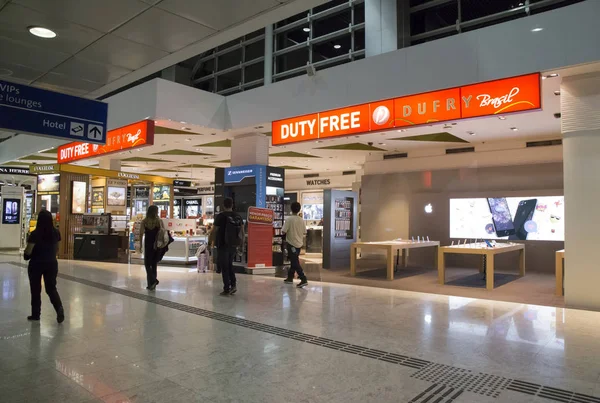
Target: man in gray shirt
[[294, 230]]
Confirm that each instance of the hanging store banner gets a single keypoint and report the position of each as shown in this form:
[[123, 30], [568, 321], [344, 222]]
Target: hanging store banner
[[136, 135], [516, 94]]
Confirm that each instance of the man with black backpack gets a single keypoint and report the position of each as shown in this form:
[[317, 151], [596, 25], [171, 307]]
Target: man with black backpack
[[229, 236]]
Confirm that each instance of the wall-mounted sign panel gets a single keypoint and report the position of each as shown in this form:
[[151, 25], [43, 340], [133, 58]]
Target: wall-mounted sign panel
[[46, 113], [516, 94], [136, 135]]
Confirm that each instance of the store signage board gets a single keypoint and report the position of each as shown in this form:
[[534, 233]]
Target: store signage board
[[136, 135], [46, 113], [510, 95], [258, 172], [44, 169], [14, 171], [180, 183]]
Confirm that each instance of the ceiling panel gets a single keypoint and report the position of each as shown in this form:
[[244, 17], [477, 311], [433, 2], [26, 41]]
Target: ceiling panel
[[39, 58], [163, 30], [217, 14], [104, 15], [19, 73], [121, 52], [71, 38], [92, 71], [72, 83]]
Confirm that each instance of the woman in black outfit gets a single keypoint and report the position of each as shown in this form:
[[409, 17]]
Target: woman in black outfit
[[149, 230], [42, 246]]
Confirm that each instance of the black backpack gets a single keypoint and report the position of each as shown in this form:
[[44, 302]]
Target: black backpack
[[233, 230]]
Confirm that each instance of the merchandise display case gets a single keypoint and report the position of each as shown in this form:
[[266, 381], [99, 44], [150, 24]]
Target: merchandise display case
[[340, 229], [183, 249], [276, 204]]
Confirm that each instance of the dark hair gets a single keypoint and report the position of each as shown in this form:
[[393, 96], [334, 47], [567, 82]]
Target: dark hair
[[296, 207], [45, 227], [228, 203], [152, 212]]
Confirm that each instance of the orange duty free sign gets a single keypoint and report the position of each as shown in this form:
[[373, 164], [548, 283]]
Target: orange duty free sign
[[509, 95]]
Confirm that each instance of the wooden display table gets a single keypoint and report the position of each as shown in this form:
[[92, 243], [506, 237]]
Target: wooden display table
[[390, 247], [560, 272], [483, 250]]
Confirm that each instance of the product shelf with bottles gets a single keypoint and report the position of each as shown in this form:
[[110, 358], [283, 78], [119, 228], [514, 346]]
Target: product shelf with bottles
[[276, 203]]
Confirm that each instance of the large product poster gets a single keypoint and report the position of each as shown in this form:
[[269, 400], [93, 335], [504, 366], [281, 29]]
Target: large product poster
[[11, 211], [516, 218], [260, 236]]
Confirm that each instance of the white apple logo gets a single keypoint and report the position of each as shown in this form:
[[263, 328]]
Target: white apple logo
[[381, 115], [429, 208]]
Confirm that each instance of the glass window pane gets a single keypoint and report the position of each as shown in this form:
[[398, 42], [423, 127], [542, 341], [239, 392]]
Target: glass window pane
[[359, 39], [292, 60], [294, 18], [328, 5], [255, 34], [473, 9], [230, 59], [208, 85], [291, 38], [335, 47], [255, 50], [229, 80], [359, 13], [332, 23], [253, 72], [434, 18], [206, 68]]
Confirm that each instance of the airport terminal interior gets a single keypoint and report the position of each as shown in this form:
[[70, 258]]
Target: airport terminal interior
[[431, 165]]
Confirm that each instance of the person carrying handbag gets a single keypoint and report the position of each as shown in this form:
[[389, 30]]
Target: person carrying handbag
[[149, 230]]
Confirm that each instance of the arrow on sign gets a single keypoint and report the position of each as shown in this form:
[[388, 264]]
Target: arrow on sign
[[95, 132]]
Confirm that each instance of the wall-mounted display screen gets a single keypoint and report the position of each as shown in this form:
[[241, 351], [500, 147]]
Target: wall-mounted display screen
[[162, 193], [516, 218], [141, 192], [78, 197], [116, 196], [98, 197], [312, 206], [11, 211], [48, 183]]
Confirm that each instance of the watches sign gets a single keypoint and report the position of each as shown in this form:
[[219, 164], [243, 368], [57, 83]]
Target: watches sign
[[136, 135], [516, 94]]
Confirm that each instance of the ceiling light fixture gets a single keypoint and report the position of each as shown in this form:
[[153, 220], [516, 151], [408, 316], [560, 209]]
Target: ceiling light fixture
[[471, 133], [537, 29], [381, 144], [337, 46], [42, 32], [185, 128], [514, 129], [306, 29], [550, 76], [401, 130], [556, 93], [502, 117]]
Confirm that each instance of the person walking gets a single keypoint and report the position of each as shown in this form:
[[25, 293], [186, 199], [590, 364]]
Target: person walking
[[294, 231], [149, 231], [41, 249], [228, 234]]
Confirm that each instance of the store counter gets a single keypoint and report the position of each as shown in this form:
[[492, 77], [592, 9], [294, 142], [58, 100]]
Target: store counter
[[97, 247], [482, 249], [390, 247], [183, 249], [314, 240]]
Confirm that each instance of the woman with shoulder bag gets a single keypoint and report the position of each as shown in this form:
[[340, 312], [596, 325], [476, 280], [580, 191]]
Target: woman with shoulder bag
[[149, 230]]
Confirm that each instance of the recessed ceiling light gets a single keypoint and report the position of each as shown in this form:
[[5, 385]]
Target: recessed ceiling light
[[185, 128], [537, 29], [550, 76], [557, 93], [42, 32], [514, 129], [337, 46], [319, 141], [501, 117], [381, 144], [471, 133], [401, 130], [306, 29], [188, 139]]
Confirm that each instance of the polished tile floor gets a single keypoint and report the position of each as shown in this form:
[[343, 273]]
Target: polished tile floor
[[361, 344]]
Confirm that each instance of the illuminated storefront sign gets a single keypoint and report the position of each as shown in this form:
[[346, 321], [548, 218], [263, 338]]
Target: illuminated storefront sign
[[128, 137], [504, 96]]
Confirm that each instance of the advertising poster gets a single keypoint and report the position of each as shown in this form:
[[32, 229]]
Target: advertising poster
[[78, 197], [260, 237], [116, 196], [98, 197], [11, 211], [162, 193], [312, 206], [49, 183], [533, 218]]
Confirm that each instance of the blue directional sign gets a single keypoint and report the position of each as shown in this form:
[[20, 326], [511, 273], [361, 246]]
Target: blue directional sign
[[40, 112]]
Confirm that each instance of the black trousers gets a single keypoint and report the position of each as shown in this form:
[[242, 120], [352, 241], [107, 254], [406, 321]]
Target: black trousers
[[151, 264], [225, 261], [294, 256], [48, 270]]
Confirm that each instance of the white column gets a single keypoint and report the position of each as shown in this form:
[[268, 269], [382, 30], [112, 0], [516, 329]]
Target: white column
[[250, 149], [381, 26], [580, 107], [268, 54], [113, 165]]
